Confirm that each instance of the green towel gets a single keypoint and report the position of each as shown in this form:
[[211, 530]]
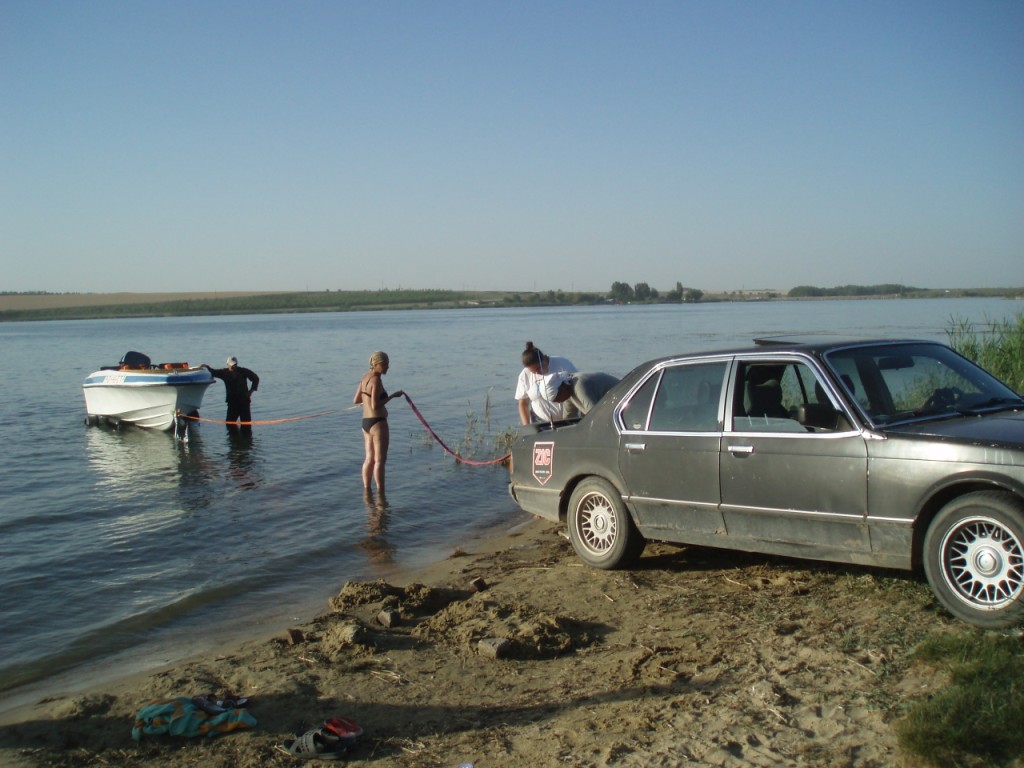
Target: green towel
[[181, 717]]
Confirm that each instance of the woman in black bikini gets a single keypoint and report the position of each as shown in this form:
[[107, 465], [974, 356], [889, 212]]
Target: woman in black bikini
[[376, 436]]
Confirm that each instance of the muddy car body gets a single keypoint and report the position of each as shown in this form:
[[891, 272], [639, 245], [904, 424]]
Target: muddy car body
[[892, 453]]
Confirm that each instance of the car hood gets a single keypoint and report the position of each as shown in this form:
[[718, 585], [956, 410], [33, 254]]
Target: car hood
[[1004, 428]]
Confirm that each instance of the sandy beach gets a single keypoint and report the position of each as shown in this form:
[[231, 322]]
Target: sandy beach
[[512, 653]]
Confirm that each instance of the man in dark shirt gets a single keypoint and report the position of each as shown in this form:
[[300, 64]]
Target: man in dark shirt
[[237, 391]]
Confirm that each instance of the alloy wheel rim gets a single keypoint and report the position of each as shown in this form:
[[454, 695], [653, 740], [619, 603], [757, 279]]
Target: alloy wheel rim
[[983, 563], [596, 526]]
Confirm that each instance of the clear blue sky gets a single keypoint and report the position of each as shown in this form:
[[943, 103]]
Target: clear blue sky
[[167, 146]]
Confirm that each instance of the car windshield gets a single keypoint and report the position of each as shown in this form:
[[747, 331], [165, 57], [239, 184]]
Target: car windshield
[[893, 383]]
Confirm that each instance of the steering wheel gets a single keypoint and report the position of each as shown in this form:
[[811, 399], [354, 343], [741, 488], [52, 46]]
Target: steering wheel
[[942, 399]]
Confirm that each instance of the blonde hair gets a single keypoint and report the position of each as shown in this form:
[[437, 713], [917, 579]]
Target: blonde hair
[[378, 357]]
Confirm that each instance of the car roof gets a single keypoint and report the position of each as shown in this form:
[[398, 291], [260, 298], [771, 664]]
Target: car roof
[[814, 344], [822, 342]]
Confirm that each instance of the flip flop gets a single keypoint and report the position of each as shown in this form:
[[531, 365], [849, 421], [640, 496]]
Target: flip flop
[[315, 745], [344, 728]]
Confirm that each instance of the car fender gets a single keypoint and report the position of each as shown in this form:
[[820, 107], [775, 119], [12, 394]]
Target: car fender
[[584, 472], [950, 487]]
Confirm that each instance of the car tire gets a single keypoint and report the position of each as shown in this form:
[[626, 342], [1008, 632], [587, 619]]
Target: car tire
[[974, 558], [600, 528]]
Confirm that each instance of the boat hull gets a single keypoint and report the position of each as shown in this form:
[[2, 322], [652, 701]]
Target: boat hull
[[146, 398]]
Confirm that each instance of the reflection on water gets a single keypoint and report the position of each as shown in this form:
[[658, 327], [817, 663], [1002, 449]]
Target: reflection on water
[[131, 461], [243, 459], [375, 544], [132, 464]]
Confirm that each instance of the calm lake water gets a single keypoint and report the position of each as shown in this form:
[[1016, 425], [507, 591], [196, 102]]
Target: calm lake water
[[122, 550]]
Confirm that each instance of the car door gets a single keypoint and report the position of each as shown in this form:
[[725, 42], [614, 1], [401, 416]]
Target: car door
[[670, 445], [790, 486]]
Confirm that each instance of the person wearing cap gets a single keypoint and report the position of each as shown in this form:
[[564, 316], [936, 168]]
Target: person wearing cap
[[376, 435], [582, 390], [239, 384]]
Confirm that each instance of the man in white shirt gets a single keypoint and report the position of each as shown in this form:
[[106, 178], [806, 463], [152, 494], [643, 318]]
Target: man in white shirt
[[533, 406]]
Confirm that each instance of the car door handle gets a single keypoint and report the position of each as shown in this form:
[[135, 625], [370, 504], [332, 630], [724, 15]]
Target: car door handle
[[741, 449], [636, 447]]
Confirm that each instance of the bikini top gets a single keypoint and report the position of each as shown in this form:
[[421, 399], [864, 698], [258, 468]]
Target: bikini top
[[383, 392]]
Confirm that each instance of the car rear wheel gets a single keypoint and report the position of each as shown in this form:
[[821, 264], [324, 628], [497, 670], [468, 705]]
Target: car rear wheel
[[974, 558], [600, 528]]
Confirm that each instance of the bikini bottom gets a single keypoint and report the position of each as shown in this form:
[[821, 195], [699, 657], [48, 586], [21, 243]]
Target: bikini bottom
[[369, 423]]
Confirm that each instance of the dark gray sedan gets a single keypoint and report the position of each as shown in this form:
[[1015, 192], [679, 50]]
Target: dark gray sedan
[[887, 453]]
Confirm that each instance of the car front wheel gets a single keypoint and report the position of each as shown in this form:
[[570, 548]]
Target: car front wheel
[[974, 558], [600, 528]]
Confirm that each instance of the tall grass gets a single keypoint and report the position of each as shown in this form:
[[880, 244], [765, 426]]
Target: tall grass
[[999, 349]]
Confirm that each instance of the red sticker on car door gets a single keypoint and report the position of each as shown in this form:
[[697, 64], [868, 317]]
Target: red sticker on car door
[[543, 461]]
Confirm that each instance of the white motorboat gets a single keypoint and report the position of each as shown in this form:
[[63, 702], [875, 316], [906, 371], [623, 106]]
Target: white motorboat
[[136, 391]]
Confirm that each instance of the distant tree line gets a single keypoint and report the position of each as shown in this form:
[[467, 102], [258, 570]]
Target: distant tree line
[[620, 293], [885, 289], [642, 292]]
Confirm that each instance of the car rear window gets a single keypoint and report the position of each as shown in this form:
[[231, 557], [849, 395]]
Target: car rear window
[[685, 399]]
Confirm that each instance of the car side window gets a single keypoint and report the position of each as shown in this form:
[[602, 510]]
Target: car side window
[[783, 396], [687, 399]]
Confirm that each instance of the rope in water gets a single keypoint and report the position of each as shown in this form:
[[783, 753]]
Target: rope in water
[[448, 450], [268, 421], [408, 399]]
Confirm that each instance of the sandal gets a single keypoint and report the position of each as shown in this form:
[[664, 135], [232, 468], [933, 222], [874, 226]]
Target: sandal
[[315, 745], [344, 728]]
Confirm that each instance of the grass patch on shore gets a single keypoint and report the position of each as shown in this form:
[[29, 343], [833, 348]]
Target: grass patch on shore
[[976, 719]]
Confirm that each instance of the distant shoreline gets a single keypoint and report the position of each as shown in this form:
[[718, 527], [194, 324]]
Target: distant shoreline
[[96, 306], [39, 301]]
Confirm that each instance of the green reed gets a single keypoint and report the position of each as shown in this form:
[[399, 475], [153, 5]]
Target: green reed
[[998, 346], [479, 438]]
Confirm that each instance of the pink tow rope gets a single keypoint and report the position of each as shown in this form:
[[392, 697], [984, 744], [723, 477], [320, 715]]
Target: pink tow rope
[[440, 442]]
